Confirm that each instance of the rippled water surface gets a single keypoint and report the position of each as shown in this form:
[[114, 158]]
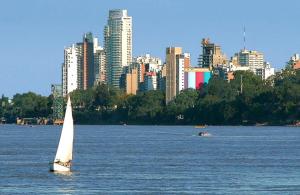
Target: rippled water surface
[[153, 160]]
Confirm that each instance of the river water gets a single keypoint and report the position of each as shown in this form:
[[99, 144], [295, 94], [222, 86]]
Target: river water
[[153, 160]]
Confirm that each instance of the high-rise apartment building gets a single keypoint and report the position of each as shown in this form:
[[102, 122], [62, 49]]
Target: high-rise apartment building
[[211, 55], [171, 72], [88, 68], [117, 44], [182, 62], [99, 63], [70, 70], [252, 59], [85, 62]]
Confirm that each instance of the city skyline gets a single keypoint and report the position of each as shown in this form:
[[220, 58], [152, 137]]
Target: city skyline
[[38, 35]]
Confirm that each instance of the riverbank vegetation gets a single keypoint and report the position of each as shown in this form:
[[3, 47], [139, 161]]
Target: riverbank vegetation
[[275, 101]]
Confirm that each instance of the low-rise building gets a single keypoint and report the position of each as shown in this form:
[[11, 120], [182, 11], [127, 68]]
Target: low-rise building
[[195, 77]]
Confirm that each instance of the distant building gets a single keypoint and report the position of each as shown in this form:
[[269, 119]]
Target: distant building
[[118, 45], [150, 82], [267, 71], [250, 58], [294, 62], [132, 82], [88, 67], [146, 63], [99, 62], [195, 78], [176, 65], [182, 62], [161, 78], [211, 55], [147, 59], [171, 72], [70, 70]]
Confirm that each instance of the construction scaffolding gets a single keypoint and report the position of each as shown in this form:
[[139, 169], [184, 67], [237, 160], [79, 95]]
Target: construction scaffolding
[[58, 103]]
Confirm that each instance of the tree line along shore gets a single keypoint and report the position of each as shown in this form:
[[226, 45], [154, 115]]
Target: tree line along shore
[[250, 101]]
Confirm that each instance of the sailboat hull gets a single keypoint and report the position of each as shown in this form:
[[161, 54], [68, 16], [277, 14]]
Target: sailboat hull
[[55, 167]]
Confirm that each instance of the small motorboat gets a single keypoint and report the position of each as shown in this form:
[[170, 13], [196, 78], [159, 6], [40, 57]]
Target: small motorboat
[[204, 134], [200, 126]]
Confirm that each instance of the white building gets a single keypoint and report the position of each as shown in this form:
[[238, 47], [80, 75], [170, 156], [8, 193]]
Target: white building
[[146, 63], [147, 59], [267, 71], [70, 70], [118, 45], [180, 61]]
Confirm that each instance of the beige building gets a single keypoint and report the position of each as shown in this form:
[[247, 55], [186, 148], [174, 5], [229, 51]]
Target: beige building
[[171, 70], [132, 82], [212, 55], [250, 58]]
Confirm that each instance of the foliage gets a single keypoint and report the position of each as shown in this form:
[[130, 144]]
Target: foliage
[[245, 100]]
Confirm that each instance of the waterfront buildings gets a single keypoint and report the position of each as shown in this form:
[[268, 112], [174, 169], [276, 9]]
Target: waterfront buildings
[[176, 65], [87, 66], [147, 68], [195, 77], [99, 63], [150, 81], [211, 55], [254, 61], [182, 62], [70, 70], [267, 71], [132, 82], [118, 45], [294, 62], [171, 72], [78, 70], [251, 58]]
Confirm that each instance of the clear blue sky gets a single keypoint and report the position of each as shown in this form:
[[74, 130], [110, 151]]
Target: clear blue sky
[[35, 32]]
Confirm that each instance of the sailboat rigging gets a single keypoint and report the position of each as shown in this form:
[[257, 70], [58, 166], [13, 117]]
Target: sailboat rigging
[[64, 154]]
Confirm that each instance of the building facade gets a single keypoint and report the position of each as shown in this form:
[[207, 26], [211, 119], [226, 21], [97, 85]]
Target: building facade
[[171, 72], [150, 82], [195, 78], [70, 70], [182, 62], [211, 55], [250, 58], [132, 82], [88, 67], [118, 45], [99, 63]]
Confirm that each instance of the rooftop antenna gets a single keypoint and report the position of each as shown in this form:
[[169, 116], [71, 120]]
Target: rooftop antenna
[[244, 38]]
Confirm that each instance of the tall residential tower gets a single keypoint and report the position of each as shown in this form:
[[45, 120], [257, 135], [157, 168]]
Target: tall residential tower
[[117, 44], [70, 70]]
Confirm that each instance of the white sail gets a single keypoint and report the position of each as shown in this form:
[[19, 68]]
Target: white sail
[[65, 146]]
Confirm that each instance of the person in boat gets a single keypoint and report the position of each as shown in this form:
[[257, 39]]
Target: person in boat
[[203, 133], [65, 164]]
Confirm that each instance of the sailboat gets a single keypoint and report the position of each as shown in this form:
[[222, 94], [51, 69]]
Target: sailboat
[[62, 161]]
